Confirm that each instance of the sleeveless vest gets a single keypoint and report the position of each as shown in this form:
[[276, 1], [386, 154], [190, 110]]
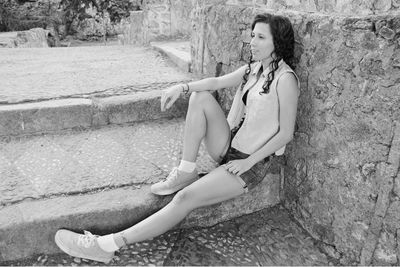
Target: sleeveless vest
[[261, 114]]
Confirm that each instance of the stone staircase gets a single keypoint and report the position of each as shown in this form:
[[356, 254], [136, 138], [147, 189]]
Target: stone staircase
[[87, 160]]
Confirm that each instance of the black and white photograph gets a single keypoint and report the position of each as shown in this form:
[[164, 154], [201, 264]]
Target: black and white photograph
[[199, 132]]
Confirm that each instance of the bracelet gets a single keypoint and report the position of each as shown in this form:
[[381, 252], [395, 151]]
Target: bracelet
[[185, 90]]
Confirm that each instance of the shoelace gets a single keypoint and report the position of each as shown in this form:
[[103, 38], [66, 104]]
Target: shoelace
[[87, 240], [173, 175]]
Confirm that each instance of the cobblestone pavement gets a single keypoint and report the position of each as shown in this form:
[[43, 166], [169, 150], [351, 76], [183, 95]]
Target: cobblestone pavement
[[34, 74], [268, 237], [89, 160]]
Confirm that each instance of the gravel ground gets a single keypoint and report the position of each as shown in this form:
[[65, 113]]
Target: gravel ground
[[265, 238]]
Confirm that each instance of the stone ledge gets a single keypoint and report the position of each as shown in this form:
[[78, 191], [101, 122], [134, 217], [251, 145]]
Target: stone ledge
[[45, 116], [175, 52], [36, 37], [28, 228], [57, 115]]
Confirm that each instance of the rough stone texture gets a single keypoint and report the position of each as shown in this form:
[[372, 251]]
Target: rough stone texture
[[57, 115], [38, 221], [98, 180], [181, 18], [91, 28], [338, 177], [36, 37], [45, 116], [131, 29], [157, 19], [34, 223], [161, 20], [79, 161], [266, 238], [267, 192], [100, 24], [137, 107], [37, 74], [25, 15], [179, 53], [342, 7]]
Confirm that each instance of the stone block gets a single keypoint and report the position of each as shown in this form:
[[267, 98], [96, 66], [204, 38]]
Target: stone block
[[137, 107], [396, 188], [385, 182], [385, 252], [101, 213], [386, 33], [33, 229], [394, 152], [45, 116], [132, 31], [264, 195], [392, 218], [180, 57], [36, 37], [382, 5], [181, 23]]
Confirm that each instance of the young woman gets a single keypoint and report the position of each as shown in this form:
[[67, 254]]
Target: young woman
[[260, 123]]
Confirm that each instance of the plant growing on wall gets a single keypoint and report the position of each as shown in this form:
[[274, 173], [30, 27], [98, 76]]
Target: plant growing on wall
[[19, 15], [116, 9]]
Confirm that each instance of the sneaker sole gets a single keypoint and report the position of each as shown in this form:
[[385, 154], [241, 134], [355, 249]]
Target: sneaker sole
[[172, 190], [77, 254]]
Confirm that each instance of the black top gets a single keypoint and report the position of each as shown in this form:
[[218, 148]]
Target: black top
[[244, 98]]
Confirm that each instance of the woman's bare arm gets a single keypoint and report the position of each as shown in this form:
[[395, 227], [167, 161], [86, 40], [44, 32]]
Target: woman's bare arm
[[216, 83], [170, 95]]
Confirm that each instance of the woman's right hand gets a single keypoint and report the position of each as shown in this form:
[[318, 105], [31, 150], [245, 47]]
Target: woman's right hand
[[170, 95]]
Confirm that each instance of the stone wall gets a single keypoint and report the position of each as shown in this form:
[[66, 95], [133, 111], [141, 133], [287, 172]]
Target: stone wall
[[36, 37], [342, 174], [20, 15], [342, 7], [53, 15], [100, 23], [165, 19]]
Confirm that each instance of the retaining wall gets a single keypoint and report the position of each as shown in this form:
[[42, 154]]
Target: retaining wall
[[158, 20], [341, 179]]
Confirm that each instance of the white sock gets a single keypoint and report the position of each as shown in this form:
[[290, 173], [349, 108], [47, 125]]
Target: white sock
[[107, 243], [187, 166]]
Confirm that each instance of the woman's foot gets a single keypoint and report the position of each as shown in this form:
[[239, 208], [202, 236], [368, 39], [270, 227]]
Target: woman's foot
[[175, 181], [82, 246]]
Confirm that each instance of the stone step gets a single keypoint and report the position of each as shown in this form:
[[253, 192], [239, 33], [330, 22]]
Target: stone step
[[63, 114], [98, 179], [49, 90], [36, 37], [178, 52]]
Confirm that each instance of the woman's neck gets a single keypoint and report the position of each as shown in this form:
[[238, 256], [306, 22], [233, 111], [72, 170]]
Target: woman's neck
[[265, 62]]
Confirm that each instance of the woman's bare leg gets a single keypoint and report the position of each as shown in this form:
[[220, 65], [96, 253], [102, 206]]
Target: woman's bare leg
[[217, 186], [204, 119]]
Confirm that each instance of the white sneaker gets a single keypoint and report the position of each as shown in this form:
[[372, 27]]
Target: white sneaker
[[82, 246], [175, 181]]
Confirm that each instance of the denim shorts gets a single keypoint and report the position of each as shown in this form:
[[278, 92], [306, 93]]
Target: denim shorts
[[255, 174]]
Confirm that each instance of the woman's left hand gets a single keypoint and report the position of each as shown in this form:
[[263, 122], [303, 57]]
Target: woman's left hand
[[238, 167]]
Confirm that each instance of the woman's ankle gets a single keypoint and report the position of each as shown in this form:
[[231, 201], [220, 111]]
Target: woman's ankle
[[120, 239]]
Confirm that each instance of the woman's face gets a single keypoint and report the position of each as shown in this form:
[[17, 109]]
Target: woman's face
[[261, 44]]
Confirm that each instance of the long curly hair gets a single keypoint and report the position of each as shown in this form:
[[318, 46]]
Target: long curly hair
[[283, 39]]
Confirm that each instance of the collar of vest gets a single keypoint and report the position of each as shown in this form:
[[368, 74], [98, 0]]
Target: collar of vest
[[265, 72]]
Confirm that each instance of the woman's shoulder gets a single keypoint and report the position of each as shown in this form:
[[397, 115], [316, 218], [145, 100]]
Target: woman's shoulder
[[283, 66], [288, 76]]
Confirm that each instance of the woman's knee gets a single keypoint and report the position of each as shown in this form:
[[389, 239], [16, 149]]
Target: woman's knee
[[200, 98], [184, 198]]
